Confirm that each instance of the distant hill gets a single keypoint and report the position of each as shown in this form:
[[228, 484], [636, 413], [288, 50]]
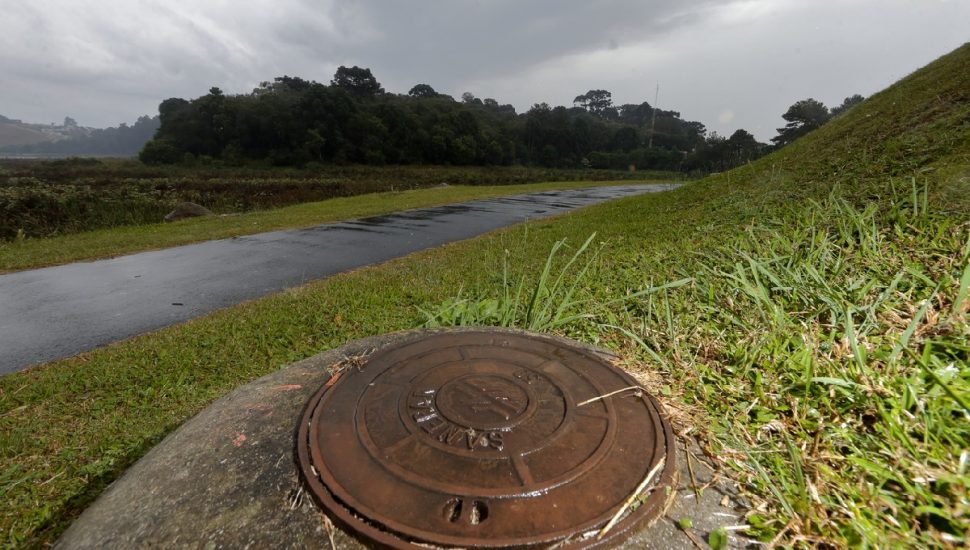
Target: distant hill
[[14, 132], [69, 139]]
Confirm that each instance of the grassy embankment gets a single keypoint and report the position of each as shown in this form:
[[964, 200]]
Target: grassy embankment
[[103, 243], [816, 336]]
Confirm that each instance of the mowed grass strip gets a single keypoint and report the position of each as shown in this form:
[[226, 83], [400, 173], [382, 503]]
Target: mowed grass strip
[[91, 245]]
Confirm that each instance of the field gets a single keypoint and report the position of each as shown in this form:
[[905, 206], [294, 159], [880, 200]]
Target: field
[[805, 315], [88, 245], [40, 199]]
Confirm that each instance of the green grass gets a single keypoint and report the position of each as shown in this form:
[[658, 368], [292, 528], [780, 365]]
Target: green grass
[[41, 199], [807, 314], [827, 349], [758, 341], [90, 245]]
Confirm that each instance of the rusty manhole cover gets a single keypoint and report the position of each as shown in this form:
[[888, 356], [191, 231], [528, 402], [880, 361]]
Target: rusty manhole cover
[[482, 440]]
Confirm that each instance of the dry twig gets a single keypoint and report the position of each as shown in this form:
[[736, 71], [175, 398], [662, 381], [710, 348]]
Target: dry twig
[[328, 526], [612, 393], [633, 496]]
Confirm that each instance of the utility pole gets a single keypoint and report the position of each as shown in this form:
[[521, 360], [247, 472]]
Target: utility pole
[[653, 120]]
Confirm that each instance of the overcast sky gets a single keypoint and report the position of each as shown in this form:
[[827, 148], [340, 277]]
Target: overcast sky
[[727, 63]]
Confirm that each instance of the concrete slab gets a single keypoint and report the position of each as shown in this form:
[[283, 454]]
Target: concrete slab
[[228, 478]]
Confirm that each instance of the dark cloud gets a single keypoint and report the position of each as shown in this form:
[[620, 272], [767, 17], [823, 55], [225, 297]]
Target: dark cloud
[[460, 41], [727, 63]]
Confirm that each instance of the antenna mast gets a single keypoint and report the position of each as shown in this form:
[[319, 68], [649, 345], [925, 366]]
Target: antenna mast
[[653, 120]]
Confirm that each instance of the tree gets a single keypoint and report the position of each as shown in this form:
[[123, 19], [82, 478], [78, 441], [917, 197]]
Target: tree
[[293, 83], [597, 102], [849, 103], [422, 90], [743, 146], [160, 151], [171, 106], [803, 117], [714, 154], [636, 115], [357, 81], [626, 139], [469, 98]]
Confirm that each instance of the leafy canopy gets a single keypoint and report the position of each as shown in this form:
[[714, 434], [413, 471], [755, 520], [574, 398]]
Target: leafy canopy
[[803, 117], [357, 81]]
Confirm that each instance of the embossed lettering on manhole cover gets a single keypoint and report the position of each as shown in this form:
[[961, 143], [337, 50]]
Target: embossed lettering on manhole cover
[[483, 440]]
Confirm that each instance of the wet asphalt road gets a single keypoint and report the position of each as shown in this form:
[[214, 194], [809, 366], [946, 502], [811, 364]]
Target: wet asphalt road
[[56, 312]]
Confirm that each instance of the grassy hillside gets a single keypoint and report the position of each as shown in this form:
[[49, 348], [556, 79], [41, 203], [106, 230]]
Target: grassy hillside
[[806, 314], [919, 127], [12, 134]]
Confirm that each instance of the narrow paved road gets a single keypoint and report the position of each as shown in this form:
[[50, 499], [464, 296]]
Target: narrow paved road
[[57, 312]]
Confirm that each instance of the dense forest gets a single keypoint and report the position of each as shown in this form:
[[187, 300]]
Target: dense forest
[[292, 121]]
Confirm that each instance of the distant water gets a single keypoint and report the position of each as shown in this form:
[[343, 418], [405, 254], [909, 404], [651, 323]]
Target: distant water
[[48, 156]]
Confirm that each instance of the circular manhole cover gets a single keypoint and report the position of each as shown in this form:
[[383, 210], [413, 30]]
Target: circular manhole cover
[[485, 440]]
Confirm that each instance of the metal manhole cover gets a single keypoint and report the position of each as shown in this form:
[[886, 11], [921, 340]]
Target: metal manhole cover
[[479, 440]]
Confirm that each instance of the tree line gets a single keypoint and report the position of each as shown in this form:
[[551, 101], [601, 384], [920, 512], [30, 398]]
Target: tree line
[[292, 121]]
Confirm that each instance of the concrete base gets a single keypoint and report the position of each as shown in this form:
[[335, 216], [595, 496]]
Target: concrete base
[[227, 478]]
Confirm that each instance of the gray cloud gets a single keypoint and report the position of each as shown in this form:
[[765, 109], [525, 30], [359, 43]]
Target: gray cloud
[[459, 41], [727, 63]]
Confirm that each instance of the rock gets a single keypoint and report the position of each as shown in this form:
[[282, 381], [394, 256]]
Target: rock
[[187, 210], [442, 184]]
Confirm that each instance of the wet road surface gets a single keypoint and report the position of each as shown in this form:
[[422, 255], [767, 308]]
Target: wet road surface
[[56, 312]]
